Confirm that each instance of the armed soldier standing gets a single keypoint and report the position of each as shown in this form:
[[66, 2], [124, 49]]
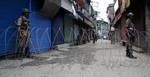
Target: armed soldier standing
[[131, 33], [23, 34]]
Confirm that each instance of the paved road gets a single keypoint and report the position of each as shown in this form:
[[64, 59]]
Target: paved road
[[91, 60]]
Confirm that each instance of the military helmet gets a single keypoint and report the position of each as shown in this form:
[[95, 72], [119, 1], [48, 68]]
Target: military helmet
[[130, 14], [25, 10]]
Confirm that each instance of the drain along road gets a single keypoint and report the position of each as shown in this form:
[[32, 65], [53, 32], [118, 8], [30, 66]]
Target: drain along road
[[90, 60]]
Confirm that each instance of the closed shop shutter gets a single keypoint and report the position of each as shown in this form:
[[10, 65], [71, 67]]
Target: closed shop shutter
[[40, 33], [68, 29], [57, 30]]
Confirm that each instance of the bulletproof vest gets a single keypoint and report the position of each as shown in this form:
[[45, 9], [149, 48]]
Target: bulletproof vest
[[131, 28], [25, 23]]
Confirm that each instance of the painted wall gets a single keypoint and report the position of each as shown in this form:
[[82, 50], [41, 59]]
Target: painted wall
[[40, 26], [10, 11]]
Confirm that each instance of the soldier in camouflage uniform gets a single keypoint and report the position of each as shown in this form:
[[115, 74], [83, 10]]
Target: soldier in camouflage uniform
[[131, 33], [23, 34]]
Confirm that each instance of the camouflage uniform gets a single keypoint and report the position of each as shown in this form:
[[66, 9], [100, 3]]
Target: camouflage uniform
[[130, 37], [23, 34]]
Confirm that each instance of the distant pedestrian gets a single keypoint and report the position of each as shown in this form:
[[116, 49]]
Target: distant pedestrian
[[112, 35], [131, 33], [94, 36]]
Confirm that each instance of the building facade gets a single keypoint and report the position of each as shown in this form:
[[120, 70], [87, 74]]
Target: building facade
[[52, 22], [140, 8]]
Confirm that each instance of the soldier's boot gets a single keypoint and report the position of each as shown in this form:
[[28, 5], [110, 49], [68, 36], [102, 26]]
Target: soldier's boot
[[131, 56], [127, 51], [131, 53]]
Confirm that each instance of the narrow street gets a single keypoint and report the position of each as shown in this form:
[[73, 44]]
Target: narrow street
[[75, 38], [90, 60]]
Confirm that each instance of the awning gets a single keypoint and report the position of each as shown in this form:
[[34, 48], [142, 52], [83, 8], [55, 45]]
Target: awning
[[117, 18], [67, 5], [88, 22], [125, 4], [79, 17], [51, 7]]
